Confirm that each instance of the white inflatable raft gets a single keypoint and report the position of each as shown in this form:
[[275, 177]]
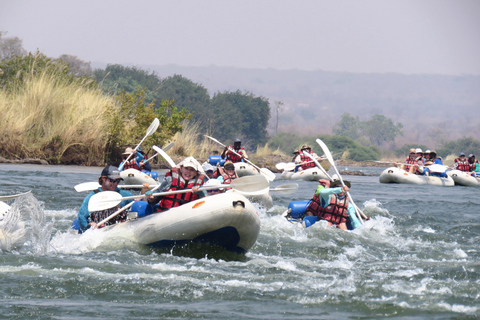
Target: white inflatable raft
[[133, 176], [310, 174], [397, 175], [228, 220], [463, 178], [245, 169]]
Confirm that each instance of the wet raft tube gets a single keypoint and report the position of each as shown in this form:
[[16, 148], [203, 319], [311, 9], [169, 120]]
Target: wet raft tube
[[310, 174], [463, 178], [228, 220], [397, 175], [133, 176]]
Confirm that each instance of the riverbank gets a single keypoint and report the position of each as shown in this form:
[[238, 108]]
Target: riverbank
[[268, 162]]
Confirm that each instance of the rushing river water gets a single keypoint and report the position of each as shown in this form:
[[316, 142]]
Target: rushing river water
[[418, 257]]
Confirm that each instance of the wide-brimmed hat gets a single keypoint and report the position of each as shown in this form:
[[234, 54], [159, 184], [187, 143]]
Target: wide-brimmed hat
[[111, 172], [306, 146], [338, 183], [412, 150], [418, 150], [128, 150]]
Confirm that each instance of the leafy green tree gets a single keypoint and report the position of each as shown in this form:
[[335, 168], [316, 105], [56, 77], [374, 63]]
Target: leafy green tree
[[17, 68], [240, 114], [116, 78], [349, 126], [466, 144], [380, 129], [191, 96], [127, 125]]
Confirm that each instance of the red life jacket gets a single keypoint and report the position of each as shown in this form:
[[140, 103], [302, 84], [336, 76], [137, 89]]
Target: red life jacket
[[462, 165], [409, 162], [335, 212], [131, 164], [178, 183], [310, 163], [232, 156]]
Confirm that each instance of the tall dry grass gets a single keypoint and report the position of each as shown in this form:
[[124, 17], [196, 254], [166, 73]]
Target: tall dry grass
[[53, 120], [191, 142]]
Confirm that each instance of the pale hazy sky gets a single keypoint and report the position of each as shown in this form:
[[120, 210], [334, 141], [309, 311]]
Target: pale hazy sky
[[402, 36]]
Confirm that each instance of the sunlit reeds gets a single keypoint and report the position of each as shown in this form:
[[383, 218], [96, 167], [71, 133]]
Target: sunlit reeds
[[49, 119]]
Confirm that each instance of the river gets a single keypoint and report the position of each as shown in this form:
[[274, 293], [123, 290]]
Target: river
[[418, 257]]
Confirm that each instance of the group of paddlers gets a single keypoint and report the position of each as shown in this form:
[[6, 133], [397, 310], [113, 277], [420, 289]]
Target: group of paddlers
[[188, 174], [419, 162]]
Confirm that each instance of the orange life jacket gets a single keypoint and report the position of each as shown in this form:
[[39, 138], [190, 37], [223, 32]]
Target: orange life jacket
[[178, 183], [131, 164], [462, 165], [335, 212], [234, 157], [305, 158]]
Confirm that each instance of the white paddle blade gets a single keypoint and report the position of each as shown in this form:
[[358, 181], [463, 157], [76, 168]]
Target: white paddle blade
[[437, 168], [153, 127], [268, 174], [280, 165], [326, 151], [86, 186], [289, 166], [104, 200], [90, 186], [6, 198], [168, 146], [250, 183], [165, 156], [286, 188]]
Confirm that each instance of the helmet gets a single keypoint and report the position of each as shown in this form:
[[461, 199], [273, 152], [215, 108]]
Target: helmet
[[471, 155]]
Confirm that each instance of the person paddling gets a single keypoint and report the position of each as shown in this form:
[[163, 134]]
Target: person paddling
[[332, 204], [232, 156], [185, 176], [109, 179]]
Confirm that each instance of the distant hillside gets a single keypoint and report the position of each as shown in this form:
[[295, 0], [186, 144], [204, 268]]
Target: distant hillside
[[431, 107]]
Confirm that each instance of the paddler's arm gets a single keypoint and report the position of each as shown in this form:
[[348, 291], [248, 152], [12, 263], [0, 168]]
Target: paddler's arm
[[353, 216]]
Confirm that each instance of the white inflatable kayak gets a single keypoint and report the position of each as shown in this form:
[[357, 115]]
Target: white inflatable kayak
[[228, 220], [135, 177], [397, 175], [244, 169], [463, 178], [310, 174]]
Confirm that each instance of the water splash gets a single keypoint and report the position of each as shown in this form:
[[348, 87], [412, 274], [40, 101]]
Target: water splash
[[12, 228], [25, 223]]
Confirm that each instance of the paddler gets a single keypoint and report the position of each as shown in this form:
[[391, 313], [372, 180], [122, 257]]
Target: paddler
[[232, 156], [108, 181], [186, 175], [331, 204]]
